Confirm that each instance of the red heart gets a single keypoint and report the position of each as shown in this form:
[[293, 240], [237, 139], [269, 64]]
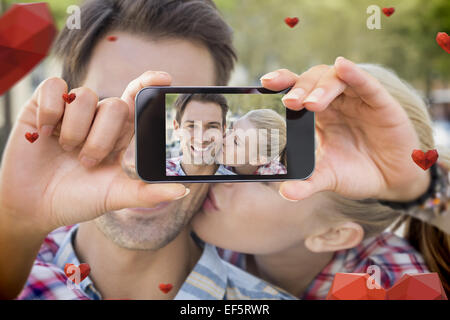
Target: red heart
[[353, 286], [83, 268], [424, 160], [165, 287], [421, 286], [26, 34], [32, 137], [291, 22], [68, 98], [388, 11], [443, 39]]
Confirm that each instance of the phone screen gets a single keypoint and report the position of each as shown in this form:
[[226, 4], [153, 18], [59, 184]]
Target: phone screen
[[225, 134], [221, 134]]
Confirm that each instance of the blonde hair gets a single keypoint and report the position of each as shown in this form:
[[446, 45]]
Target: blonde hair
[[270, 120], [373, 217]]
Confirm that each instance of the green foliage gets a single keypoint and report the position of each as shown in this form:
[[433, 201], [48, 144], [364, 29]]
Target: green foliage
[[329, 28], [57, 7], [241, 104]]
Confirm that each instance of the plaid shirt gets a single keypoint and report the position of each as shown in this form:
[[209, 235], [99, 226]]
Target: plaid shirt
[[273, 167], [211, 279], [173, 168], [392, 254]]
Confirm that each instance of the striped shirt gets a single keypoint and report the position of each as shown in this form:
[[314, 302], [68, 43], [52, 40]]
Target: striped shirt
[[173, 168], [211, 279], [394, 256]]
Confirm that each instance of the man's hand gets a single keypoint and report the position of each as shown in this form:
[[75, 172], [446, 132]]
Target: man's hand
[[77, 175], [74, 172], [365, 136]]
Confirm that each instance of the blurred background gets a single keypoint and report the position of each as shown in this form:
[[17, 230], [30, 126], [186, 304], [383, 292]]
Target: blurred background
[[326, 29]]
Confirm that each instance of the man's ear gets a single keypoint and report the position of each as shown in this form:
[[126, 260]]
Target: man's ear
[[342, 236], [176, 126]]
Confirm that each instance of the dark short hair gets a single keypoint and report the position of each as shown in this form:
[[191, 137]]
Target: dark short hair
[[183, 99], [196, 20]]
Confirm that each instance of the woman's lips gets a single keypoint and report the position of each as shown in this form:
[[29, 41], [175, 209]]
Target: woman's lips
[[210, 202]]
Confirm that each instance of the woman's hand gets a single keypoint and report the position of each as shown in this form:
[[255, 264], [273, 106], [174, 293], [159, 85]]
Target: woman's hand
[[365, 136]]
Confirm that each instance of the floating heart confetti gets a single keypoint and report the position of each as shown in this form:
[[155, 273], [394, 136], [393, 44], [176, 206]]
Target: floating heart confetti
[[291, 22], [443, 39], [426, 286], [26, 34], [388, 11], [83, 270], [420, 286], [424, 160], [111, 38], [68, 98], [32, 137], [353, 286], [165, 287]]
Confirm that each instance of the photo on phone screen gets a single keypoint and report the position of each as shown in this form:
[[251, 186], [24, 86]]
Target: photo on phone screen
[[225, 134], [221, 134]]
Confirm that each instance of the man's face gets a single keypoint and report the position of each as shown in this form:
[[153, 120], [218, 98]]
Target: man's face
[[113, 65], [202, 132]]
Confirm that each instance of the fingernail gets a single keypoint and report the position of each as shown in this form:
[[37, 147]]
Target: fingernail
[[88, 162], [339, 58], [294, 94], [284, 197], [47, 130], [163, 74], [315, 95], [270, 76], [67, 148], [184, 195]]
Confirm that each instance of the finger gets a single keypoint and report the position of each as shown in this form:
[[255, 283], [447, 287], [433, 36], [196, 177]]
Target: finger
[[322, 179], [304, 85], [128, 161], [77, 119], [325, 91], [106, 130], [149, 78], [48, 98], [279, 80], [129, 193], [363, 84]]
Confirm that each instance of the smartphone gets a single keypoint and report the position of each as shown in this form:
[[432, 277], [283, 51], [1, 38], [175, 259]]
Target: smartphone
[[221, 134]]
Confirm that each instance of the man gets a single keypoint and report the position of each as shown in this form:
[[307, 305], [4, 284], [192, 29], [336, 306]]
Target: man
[[133, 235], [200, 122]]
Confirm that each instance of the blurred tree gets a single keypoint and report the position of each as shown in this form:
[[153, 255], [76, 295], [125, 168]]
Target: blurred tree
[[329, 28]]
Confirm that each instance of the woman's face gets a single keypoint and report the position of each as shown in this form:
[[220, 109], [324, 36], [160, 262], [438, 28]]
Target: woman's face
[[254, 218], [240, 145]]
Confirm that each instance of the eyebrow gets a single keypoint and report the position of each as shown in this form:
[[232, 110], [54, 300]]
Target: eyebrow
[[209, 122]]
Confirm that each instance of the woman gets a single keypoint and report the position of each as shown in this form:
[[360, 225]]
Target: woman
[[301, 245], [267, 129]]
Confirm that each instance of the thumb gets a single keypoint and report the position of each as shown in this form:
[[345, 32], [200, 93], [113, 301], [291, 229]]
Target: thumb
[[131, 193], [322, 179]]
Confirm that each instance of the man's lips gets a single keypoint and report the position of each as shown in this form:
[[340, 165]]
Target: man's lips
[[201, 149], [210, 202]]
